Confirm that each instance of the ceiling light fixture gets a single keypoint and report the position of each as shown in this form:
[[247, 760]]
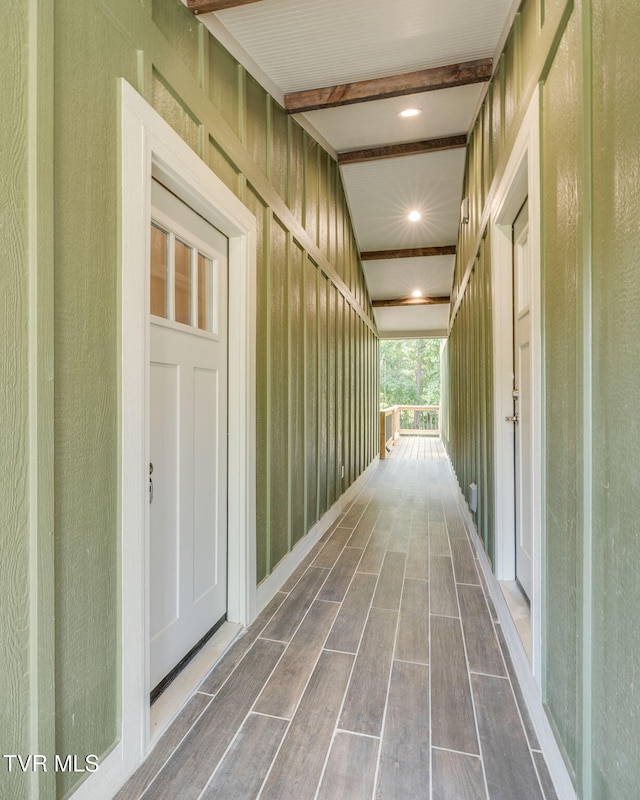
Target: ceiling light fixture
[[416, 293], [414, 216], [410, 112]]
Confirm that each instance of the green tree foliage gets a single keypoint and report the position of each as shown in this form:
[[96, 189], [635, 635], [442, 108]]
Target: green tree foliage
[[409, 372]]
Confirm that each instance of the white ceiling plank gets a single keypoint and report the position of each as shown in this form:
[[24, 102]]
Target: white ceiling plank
[[303, 44]]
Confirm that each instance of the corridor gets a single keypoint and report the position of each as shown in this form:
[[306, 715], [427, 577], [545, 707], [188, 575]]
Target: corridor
[[378, 671]]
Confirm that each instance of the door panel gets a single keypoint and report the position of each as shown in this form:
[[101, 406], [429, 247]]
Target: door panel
[[522, 400], [208, 571], [188, 439], [163, 554]]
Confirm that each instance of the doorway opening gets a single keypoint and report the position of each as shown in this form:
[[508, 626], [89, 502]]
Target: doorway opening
[[409, 389], [515, 239], [150, 147]]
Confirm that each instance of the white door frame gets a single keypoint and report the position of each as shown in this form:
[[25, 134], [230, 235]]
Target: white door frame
[[521, 179], [149, 145]]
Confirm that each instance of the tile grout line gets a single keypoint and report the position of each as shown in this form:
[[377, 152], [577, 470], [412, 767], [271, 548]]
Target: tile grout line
[[459, 752], [357, 733]]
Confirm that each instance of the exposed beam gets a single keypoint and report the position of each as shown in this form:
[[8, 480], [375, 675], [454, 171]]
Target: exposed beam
[[411, 301], [411, 252], [404, 149], [425, 80], [204, 6]]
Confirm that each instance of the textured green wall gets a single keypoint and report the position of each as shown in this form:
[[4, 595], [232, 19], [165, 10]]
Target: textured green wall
[[585, 58], [616, 386], [26, 397], [562, 206], [467, 400], [14, 355], [317, 344]]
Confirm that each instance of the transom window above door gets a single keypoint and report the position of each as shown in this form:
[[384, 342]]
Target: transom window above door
[[183, 281]]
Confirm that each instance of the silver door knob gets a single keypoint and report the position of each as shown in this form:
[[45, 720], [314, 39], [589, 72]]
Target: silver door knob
[[515, 418]]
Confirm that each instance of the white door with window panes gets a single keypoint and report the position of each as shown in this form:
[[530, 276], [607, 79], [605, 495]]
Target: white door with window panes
[[188, 431]]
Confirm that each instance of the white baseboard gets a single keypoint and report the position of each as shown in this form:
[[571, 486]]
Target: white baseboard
[[272, 583]]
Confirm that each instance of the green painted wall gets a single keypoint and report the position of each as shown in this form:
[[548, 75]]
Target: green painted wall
[[317, 343], [585, 59], [616, 385], [14, 353], [467, 393], [26, 396], [562, 207]]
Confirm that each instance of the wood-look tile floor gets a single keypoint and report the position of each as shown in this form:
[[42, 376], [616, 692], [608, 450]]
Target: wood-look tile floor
[[378, 671]]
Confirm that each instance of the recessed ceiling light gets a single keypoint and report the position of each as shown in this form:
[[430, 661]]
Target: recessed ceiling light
[[414, 216], [416, 293], [410, 112]]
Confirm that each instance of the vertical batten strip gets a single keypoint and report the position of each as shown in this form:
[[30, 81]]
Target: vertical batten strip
[[290, 379], [585, 338], [319, 394], [40, 144], [267, 465]]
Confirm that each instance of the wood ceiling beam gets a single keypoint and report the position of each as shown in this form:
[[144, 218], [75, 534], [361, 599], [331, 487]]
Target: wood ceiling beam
[[204, 6], [404, 149], [411, 301], [425, 80], [411, 252]]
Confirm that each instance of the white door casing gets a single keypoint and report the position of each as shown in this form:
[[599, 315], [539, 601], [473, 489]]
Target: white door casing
[[522, 388], [149, 145], [188, 433], [520, 180]]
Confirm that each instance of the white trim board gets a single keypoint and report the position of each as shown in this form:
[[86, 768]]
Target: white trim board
[[148, 145], [520, 180]]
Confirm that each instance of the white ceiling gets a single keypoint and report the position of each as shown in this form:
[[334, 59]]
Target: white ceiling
[[412, 322], [382, 193], [444, 113], [388, 278], [295, 45], [303, 44]]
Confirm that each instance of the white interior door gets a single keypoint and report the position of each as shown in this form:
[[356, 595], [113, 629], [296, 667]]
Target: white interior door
[[188, 431], [522, 393]]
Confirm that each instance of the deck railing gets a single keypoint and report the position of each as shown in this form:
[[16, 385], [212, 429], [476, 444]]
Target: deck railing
[[407, 421]]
